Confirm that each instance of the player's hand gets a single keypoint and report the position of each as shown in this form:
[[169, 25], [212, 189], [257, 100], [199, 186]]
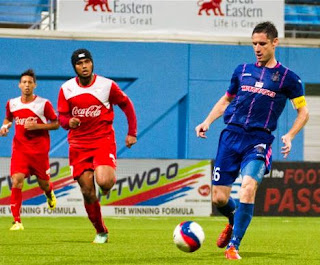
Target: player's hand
[[130, 140], [74, 122], [30, 125], [286, 148], [5, 129], [201, 130]]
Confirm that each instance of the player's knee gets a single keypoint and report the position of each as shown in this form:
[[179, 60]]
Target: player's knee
[[17, 183], [106, 183], [88, 193], [247, 193], [219, 201]]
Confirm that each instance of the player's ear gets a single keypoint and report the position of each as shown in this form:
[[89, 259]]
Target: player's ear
[[275, 42]]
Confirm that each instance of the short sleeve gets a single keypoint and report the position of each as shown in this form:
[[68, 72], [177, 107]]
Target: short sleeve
[[293, 86], [9, 115], [49, 112], [63, 105], [117, 96], [235, 82]]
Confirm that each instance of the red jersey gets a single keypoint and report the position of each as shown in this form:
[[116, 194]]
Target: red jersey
[[93, 105], [39, 111]]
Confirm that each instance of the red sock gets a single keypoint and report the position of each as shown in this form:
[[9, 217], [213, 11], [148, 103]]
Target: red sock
[[15, 203], [94, 215], [48, 194]]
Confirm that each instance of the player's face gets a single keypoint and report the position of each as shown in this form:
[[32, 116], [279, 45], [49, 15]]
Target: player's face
[[84, 68], [263, 47], [27, 85]]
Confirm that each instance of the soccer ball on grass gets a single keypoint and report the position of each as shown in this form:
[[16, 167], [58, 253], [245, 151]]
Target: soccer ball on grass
[[188, 236]]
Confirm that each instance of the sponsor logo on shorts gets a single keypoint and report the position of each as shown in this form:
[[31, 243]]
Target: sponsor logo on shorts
[[260, 148]]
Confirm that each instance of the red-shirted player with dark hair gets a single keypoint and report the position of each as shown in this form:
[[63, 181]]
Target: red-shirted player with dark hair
[[33, 117], [85, 107]]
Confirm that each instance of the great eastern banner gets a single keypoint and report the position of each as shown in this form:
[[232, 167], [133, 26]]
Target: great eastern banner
[[235, 18]]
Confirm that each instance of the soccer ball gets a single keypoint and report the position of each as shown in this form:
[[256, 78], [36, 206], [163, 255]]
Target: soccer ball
[[188, 236]]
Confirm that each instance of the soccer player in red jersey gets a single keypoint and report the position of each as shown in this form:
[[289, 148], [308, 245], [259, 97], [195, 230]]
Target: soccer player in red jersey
[[85, 107], [33, 117]]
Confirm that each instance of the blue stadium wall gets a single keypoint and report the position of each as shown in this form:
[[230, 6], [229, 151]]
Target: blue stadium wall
[[173, 87]]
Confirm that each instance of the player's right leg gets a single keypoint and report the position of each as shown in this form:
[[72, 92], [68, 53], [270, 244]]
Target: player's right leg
[[226, 206], [16, 200], [226, 170], [92, 205]]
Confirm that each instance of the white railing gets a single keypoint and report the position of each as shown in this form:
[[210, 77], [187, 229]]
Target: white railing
[[33, 14]]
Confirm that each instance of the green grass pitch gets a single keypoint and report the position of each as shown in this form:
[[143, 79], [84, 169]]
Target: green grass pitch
[[148, 240]]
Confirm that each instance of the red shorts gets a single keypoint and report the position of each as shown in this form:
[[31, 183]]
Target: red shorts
[[30, 164], [82, 159]]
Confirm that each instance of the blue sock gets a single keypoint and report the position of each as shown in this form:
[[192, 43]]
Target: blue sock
[[242, 220], [228, 210]]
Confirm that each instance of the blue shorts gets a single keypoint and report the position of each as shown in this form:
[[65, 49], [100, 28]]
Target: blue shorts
[[237, 147]]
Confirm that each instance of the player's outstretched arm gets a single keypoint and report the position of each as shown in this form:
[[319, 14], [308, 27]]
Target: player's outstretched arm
[[216, 112], [299, 123]]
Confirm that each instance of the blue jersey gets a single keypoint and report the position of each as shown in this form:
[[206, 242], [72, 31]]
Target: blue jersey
[[260, 95]]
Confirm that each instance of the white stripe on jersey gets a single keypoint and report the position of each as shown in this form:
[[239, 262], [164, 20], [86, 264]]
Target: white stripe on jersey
[[36, 106], [100, 89]]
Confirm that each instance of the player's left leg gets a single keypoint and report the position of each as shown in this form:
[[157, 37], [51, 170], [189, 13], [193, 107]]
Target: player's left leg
[[252, 174], [105, 178], [47, 187], [39, 166]]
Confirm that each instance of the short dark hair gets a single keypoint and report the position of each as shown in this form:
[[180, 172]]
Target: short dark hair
[[268, 28], [29, 72]]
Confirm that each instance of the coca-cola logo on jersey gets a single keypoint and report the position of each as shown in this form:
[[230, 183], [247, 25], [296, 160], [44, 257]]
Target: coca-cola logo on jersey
[[92, 111], [23, 121]]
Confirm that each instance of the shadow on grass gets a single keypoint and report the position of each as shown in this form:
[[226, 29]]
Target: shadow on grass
[[279, 256]]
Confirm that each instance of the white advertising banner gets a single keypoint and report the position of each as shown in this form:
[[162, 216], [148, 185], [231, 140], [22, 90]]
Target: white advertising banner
[[144, 187], [195, 17]]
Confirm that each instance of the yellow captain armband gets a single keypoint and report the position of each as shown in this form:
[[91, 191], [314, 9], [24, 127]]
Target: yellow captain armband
[[299, 102]]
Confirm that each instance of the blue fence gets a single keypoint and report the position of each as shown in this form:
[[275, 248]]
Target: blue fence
[[173, 87]]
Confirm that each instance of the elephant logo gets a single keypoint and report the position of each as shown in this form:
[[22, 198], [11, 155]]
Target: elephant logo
[[93, 3], [214, 5]]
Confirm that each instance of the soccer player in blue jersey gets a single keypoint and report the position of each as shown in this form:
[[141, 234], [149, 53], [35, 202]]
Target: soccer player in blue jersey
[[251, 107]]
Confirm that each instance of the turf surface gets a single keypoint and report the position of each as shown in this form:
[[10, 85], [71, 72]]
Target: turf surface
[[144, 240]]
